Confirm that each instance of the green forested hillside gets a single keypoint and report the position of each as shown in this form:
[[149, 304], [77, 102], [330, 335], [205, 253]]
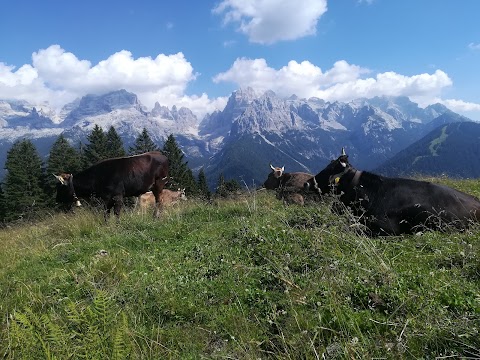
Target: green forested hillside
[[243, 278], [452, 150]]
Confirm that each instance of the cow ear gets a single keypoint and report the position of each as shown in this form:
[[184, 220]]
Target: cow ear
[[59, 178]]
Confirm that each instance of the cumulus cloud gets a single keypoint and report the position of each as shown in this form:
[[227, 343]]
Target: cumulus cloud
[[343, 82], [303, 79], [460, 105], [270, 21], [58, 76]]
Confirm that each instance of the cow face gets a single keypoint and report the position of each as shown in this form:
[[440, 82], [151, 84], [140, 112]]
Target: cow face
[[321, 182], [182, 194], [274, 178], [65, 191]]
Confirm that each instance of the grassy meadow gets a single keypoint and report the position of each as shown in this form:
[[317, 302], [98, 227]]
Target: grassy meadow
[[242, 278]]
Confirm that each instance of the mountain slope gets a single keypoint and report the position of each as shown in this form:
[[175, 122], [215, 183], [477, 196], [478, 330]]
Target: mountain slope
[[451, 149]]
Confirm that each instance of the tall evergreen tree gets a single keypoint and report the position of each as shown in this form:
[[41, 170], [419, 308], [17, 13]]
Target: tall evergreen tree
[[63, 158], [143, 143], [221, 189], [96, 149], [189, 183], [180, 173], [23, 192], [2, 205], [203, 189], [114, 144]]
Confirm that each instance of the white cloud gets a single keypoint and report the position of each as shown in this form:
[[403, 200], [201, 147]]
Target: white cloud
[[368, 2], [58, 77], [343, 82], [460, 105], [269, 21], [303, 79], [473, 46]]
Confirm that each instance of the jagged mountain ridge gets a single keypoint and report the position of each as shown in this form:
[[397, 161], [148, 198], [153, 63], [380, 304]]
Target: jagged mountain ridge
[[303, 134]]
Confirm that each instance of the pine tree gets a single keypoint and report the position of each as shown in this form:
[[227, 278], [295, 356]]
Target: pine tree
[[23, 193], [114, 144], [232, 186], [179, 172], [189, 183], [143, 143], [2, 205], [221, 189], [96, 149], [63, 158], [203, 189]]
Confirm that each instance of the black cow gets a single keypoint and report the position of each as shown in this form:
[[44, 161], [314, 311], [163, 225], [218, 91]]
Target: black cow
[[289, 186], [113, 179], [394, 205]]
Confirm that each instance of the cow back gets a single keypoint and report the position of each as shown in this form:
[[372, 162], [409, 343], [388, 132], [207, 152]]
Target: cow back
[[125, 176]]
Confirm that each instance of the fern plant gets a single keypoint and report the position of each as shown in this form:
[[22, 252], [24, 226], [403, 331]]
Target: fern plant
[[93, 331]]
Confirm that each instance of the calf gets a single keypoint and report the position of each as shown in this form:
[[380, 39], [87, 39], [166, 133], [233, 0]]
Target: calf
[[289, 186], [395, 205], [167, 198]]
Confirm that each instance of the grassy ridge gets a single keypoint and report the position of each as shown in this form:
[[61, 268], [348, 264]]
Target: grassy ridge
[[247, 278]]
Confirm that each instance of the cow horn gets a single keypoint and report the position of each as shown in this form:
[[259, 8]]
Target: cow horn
[[59, 178], [272, 167], [283, 168], [343, 151]]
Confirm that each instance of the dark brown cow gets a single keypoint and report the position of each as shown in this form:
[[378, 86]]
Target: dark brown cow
[[395, 206], [113, 179], [289, 186]]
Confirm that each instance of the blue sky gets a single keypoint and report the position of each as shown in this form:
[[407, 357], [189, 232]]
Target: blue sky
[[195, 53]]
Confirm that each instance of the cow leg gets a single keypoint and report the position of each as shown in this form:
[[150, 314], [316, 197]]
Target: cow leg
[[158, 204], [108, 206], [157, 190], [117, 204]]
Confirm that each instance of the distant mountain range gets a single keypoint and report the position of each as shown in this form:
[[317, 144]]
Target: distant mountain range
[[252, 131]]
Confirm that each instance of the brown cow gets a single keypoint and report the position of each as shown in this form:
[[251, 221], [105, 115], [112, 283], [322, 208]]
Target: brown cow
[[167, 198], [289, 186]]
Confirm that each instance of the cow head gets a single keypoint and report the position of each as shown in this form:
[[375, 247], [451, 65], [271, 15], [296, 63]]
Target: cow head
[[331, 175], [182, 194], [274, 178], [65, 191]]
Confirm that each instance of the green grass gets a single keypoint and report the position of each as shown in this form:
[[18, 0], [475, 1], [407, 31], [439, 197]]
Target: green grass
[[246, 278]]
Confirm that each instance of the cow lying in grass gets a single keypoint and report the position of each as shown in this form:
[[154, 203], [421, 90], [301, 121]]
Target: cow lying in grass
[[289, 186], [167, 198], [395, 205]]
